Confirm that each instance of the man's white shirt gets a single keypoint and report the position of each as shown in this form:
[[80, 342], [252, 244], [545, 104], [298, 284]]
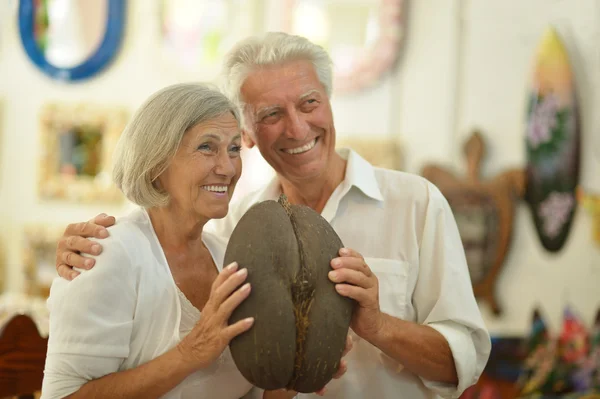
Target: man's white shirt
[[405, 229]]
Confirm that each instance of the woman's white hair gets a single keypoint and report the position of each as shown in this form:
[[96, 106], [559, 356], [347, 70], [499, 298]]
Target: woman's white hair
[[271, 48], [152, 137]]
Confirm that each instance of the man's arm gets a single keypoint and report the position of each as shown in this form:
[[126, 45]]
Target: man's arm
[[74, 242], [443, 300]]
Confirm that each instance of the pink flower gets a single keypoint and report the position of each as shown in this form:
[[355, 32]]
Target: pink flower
[[554, 212], [543, 121]]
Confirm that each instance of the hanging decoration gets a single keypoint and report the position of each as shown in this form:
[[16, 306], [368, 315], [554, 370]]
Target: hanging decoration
[[553, 143]]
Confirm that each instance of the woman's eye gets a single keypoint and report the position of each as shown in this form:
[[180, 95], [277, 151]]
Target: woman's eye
[[204, 147], [236, 148]]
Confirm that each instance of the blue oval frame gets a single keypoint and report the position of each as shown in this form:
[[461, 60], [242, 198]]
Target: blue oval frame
[[106, 52]]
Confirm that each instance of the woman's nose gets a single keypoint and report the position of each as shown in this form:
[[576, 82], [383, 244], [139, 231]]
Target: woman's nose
[[225, 165]]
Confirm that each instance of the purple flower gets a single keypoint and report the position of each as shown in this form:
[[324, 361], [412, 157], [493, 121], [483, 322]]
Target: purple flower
[[542, 121], [554, 212]]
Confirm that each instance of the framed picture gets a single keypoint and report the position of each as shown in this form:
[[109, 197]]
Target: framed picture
[[39, 258], [77, 143], [381, 152]]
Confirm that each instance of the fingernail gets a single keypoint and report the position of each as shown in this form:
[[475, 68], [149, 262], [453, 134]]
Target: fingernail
[[336, 263], [245, 287], [333, 276], [89, 262], [74, 274], [103, 215], [95, 249], [344, 251], [340, 288], [242, 272], [103, 233], [249, 320], [231, 267]]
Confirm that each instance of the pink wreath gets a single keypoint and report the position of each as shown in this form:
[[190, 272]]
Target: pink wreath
[[371, 63]]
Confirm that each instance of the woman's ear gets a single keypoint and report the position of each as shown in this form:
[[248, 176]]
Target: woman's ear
[[247, 139]]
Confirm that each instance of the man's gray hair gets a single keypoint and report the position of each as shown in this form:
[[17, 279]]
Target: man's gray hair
[[152, 137], [271, 48]]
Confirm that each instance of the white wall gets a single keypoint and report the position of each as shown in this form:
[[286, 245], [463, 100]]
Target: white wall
[[138, 70], [491, 43], [464, 65]]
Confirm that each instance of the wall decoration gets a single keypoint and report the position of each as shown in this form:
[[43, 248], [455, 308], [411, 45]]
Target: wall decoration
[[71, 40], [484, 212], [591, 203], [363, 37], [382, 152], [39, 258], [196, 34], [541, 357], [77, 142], [552, 142]]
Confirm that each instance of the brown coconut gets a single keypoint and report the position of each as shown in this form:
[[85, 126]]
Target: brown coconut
[[300, 321]]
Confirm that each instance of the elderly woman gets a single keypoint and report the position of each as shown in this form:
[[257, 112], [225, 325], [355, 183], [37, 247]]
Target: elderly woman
[[151, 319]]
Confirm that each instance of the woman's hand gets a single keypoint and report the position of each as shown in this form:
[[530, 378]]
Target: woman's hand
[[212, 334]]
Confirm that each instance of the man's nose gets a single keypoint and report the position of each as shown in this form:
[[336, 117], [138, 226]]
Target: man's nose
[[297, 128]]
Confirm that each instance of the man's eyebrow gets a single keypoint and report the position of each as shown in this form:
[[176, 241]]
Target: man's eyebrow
[[309, 94], [267, 109]]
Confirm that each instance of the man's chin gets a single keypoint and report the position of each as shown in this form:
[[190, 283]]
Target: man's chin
[[307, 171]]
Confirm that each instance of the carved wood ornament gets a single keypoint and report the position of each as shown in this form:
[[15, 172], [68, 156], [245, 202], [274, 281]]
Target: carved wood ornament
[[484, 212]]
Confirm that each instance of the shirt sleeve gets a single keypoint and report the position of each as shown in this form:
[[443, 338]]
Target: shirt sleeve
[[91, 320], [444, 299]]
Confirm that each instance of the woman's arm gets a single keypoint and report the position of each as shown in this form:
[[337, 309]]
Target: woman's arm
[[91, 319], [150, 380]]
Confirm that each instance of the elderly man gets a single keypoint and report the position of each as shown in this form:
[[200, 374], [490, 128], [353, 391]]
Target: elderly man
[[417, 329]]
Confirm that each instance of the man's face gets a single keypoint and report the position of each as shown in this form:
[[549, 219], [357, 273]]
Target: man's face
[[290, 120]]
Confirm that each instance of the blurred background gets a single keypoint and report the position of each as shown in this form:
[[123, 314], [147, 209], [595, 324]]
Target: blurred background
[[415, 80]]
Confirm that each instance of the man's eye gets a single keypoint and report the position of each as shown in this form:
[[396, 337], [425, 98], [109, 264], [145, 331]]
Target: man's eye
[[271, 117]]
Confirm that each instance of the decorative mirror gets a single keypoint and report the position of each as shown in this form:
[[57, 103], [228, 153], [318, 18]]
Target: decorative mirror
[[484, 212], [363, 37], [196, 34], [77, 142], [71, 40]]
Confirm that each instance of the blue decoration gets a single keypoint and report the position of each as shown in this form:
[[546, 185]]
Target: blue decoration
[[94, 64]]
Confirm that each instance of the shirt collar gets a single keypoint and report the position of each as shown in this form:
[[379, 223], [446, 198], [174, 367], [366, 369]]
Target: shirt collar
[[359, 173]]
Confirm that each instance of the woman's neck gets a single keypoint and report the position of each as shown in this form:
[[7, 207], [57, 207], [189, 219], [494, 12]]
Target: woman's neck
[[315, 192], [175, 229]]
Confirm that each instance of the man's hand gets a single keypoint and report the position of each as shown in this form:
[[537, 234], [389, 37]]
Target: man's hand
[[354, 279], [74, 242]]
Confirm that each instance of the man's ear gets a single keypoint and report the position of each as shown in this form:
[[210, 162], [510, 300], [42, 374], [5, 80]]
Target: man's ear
[[247, 139]]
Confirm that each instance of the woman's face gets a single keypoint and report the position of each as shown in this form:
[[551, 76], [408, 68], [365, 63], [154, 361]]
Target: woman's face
[[202, 176]]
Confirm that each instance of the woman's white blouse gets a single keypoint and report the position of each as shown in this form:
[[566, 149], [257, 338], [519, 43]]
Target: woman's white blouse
[[125, 312]]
